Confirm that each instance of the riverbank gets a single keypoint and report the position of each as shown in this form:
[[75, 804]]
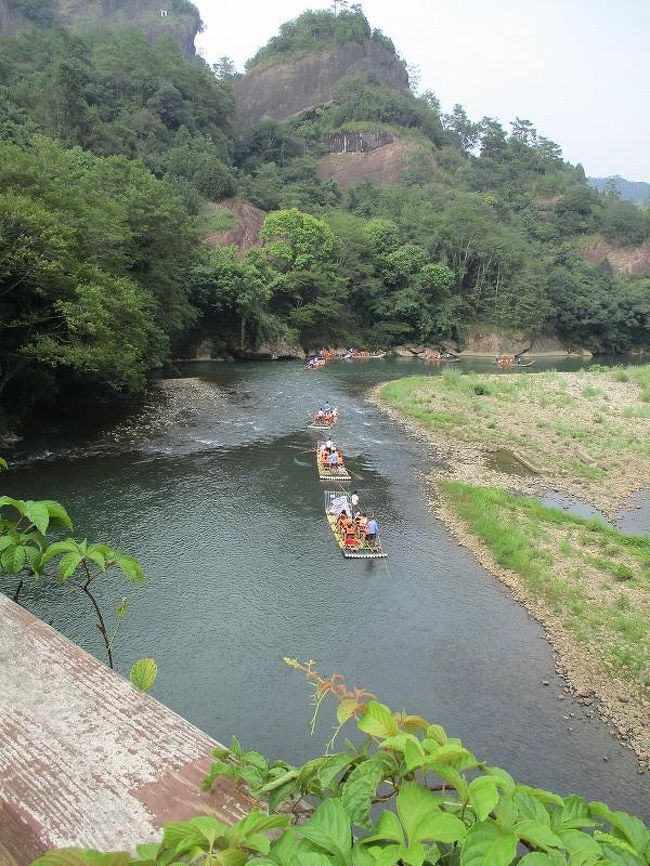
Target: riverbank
[[588, 584]]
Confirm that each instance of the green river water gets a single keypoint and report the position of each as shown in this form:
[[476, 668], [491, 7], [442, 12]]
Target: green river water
[[225, 512]]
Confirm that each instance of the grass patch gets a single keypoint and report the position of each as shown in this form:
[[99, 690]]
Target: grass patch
[[583, 427], [566, 562], [216, 219]]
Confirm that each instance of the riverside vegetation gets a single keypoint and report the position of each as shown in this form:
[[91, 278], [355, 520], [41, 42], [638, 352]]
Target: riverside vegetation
[[586, 433], [111, 149], [405, 794]]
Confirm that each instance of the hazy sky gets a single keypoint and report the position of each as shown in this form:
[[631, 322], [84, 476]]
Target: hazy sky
[[578, 69]]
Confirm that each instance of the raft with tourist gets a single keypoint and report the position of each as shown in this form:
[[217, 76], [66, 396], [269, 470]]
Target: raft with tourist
[[514, 361], [436, 357], [330, 462], [356, 532], [326, 417]]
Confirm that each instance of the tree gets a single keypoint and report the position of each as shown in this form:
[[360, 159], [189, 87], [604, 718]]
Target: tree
[[524, 132], [297, 241], [493, 139], [463, 131], [224, 69]]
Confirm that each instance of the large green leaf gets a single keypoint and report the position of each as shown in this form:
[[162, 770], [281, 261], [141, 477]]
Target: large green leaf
[[18, 504], [3, 464], [388, 829], [577, 842], [483, 796], [329, 828], [537, 834], [530, 807], [630, 828], [284, 851], [359, 789], [39, 514], [143, 674], [621, 857], [444, 755], [68, 564], [378, 721], [13, 559], [488, 843], [440, 827], [57, 513], [259, 822], [573, 815], [414, 803], [58, 548], [206, 825], [332, 767]]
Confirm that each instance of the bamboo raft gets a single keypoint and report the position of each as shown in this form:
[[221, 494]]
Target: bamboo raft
[[364, 549], [327, 474], [325, 425], [512, 365]]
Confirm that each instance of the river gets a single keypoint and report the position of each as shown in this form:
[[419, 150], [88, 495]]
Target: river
[[225, 513]]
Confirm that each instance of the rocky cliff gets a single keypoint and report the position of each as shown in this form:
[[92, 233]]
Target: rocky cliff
[[287, 89], [178, 18], [375, 156]]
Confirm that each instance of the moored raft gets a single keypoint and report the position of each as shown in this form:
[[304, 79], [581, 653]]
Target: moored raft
[[328, 473], [363, 549]]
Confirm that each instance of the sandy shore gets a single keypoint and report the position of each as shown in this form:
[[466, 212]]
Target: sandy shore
[[628, 715]]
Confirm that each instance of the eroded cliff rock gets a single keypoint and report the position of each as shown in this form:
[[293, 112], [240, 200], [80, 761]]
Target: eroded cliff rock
[[383, 163], [286, 89]]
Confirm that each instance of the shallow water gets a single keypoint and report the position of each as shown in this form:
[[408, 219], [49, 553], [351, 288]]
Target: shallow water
[[226, 514]]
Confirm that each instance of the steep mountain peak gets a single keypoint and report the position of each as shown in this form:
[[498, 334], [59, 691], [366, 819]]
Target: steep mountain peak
[[294, 86]]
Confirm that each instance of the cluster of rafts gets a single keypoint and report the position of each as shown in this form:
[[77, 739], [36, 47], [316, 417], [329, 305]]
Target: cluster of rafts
[[350, 526]]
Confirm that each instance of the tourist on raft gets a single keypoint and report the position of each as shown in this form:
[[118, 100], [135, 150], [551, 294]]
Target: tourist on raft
[[372, 531]]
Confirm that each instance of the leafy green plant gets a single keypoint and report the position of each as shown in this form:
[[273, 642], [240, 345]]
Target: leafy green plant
[[405, 794], [143, 674], [27, 549]]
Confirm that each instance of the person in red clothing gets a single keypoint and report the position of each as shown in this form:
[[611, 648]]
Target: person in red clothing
[[350, 534]]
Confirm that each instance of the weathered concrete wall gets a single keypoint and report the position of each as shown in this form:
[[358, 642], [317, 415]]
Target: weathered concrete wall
[[291, 88], [86, 759]]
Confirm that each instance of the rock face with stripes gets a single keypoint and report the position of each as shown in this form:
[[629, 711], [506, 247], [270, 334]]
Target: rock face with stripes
[[86, 759], [287, 89]]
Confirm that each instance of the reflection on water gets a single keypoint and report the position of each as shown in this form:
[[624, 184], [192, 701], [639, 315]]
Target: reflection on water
[[226, 515]]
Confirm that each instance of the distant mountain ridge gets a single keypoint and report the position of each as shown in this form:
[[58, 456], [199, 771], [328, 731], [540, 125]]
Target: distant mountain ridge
[[636, 191], [177, 18]]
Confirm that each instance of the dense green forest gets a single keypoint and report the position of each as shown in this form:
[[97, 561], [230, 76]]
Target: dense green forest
[[110, 146]]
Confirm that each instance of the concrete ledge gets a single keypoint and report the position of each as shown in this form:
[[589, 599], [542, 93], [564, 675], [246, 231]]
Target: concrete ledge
[[86, 759]]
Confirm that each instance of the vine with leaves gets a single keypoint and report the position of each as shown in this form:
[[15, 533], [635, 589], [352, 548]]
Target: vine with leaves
[[404, 794], [32, 549]]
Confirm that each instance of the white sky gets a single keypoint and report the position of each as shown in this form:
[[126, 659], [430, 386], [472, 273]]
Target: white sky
[[578, 69]]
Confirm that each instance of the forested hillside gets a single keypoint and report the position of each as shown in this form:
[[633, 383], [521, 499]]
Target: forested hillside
[[635, 191], [111, 145], [179, 19]]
